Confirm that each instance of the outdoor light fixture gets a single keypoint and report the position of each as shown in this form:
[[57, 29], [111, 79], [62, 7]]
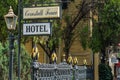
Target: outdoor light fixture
[[11, 19]]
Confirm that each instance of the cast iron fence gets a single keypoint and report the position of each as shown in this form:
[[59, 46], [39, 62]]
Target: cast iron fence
[[62, 71]]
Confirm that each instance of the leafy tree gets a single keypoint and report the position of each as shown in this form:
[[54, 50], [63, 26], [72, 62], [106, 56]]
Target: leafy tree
[[50, 43], [5, 5], [4, 63], [72, 22], [84, 34], [106, 31], [68, 30]]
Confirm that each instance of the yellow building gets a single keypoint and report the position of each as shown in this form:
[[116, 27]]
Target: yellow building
[[76, 50]]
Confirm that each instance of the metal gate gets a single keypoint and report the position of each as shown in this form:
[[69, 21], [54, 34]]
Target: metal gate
[[62, 71]]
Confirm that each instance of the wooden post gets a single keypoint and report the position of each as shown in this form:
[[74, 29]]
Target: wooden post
[[96, 69]]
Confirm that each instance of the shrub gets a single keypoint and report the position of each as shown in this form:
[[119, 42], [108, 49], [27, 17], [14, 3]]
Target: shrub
[[105, 72]]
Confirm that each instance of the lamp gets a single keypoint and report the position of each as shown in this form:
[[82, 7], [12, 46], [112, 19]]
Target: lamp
[[11, 19]]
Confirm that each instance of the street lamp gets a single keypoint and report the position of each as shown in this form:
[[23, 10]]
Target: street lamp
[[11, 20]]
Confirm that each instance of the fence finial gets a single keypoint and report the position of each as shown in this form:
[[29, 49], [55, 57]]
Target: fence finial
[[70, 60], [35, 53], [85, 62], [63, 58], [75, 61], [54, 57]]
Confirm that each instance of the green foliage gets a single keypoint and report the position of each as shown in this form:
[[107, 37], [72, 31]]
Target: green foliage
[[4, 8], [4, 62], [55, 38], [84, 37], [105, 72], [110, 17], [96, 42], [107, 29], [56, 34], [50, 43]]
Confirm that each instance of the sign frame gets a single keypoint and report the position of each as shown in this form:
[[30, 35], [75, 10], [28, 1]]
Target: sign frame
[[32, 34], [39, 12]]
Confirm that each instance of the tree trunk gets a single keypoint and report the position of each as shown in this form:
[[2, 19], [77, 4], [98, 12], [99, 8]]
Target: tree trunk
[[66, 53], [103, 56]]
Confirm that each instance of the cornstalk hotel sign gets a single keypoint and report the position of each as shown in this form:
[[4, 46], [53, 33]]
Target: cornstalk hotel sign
[[41, 12], [36, 29]]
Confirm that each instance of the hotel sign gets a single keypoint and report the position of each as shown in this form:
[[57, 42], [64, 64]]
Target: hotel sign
[[36, 29], [41, 12]]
